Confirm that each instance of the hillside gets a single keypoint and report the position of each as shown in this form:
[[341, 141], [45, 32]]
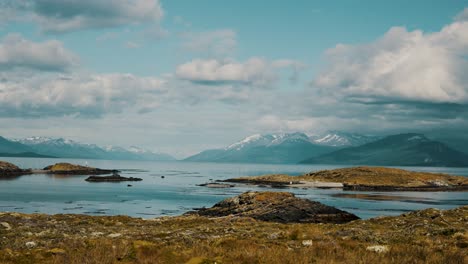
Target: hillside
[[65, 148], [398, 150]]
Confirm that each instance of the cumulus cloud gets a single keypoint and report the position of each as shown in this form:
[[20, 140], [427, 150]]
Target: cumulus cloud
[[214, 43], [81, 95], [254, 71], [60, 16], [18, 52], [401, 66], [462, 16]]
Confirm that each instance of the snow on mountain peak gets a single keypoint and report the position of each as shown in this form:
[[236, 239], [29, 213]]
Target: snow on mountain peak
[[267, 140]]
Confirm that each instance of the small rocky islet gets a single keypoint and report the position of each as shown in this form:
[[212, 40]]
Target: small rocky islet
[[9, 170], [73, 169]]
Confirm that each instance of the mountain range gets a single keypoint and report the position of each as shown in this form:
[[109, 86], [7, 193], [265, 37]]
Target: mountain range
[[334, 147], [409, 149], [281, 147], [65, 148]]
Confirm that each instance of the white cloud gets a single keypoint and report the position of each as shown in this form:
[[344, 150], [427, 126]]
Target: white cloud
[[462, 16], [59, 16], [18, 52], [82, 95], [254, 71], [401, 65], [216, 43]]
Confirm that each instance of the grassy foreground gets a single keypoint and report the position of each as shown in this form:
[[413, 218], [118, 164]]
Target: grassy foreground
[[429, 236]]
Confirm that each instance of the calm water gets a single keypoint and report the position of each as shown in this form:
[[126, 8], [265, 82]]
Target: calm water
[[177, 192]]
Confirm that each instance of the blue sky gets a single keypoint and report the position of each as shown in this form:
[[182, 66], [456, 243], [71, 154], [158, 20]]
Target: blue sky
[[182, 76]]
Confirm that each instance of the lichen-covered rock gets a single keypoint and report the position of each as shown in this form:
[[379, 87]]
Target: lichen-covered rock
[[279, 207]]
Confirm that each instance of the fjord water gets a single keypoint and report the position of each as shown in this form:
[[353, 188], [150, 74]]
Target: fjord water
[[169, 188]]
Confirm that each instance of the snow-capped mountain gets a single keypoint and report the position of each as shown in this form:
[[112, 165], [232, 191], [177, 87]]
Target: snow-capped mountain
[[342, 139], [66, 148], [267, 148], [268, 140]]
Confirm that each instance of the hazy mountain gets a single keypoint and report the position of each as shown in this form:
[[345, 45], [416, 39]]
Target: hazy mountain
[[8, 146], [65, 148], [342, 139], [268, 148], [398, 150]]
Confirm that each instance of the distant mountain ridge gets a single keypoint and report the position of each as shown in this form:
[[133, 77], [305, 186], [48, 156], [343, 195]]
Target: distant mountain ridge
[[267, 148], [342, 139], [66, 148], [410, 149]]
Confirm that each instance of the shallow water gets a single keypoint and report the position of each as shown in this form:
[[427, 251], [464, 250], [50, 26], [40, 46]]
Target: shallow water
[[177, 192]]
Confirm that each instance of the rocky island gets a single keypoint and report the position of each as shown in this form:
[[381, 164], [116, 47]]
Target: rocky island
[[364, 179], [9, 170], [232, 232], [72, 169]]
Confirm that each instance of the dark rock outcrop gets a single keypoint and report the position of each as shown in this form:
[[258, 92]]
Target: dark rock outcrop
[[279, 207], [72, 169], [113, 178], [8, 170]]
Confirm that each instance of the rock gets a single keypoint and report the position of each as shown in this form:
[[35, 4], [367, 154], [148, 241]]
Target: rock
[[216, 185], [378, 249], [97, 233], [279, 207], [307, 243], [31, 244], [114, 235], [6, 225], [113, 178], [56, 251]]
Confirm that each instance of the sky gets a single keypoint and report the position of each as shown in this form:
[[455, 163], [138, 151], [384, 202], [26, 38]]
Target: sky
[[184, 76]]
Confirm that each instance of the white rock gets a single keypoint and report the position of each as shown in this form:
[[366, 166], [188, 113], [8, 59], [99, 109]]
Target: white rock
[[307, 243], [6, 225], [31, 244], [114, 235], [378, 249], [97, 233]]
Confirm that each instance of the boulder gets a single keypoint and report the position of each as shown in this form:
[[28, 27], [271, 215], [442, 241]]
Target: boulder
[[282, 207]]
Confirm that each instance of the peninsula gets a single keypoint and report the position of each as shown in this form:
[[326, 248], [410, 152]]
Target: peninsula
[[363, 179]]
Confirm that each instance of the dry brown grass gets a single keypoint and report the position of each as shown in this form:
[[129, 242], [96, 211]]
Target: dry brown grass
[[67, 167], [371, 176], [429, 236]]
